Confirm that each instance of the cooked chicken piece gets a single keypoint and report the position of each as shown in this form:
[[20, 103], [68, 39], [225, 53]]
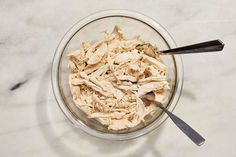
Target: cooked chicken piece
[[104, 121], [79, 102], [92, 49], [77, 57], [89, 99], [105, 85], [127, 78], [133, 67], [78, 81], [91, 68], [148, 49], [73, 66], [114, 47], [85, 46], [152, 79], [153, 61], [127, 88], [131, 44], [97, 56], [103, 69], [127, 83], [146, 88], [118, 33], [152, 71], [75, 91], [161, 96], [124, 57], [110, 63], [76, 54], [86, 109], [119, 110], [96, 99], [83, 105]]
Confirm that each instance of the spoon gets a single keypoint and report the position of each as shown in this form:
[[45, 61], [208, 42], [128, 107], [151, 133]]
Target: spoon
[[208, 46], [184, 127]]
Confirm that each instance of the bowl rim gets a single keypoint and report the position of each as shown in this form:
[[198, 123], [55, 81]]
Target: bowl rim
[[111, 13]]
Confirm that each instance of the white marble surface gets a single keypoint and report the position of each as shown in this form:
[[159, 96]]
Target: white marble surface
[[31, 124]]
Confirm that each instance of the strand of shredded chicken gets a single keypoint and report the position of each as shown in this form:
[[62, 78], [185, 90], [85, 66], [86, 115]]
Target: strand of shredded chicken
[[108, 78]]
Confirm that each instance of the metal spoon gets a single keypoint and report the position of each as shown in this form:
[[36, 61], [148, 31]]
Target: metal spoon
[[209, 46], [186, 129]]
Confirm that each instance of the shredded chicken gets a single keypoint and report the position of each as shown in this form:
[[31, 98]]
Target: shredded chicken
[[108, 78]]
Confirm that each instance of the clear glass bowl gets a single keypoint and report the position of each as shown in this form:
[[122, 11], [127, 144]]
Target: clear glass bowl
[[91, 28]]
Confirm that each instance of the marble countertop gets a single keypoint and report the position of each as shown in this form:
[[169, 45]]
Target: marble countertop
[[31, 121]]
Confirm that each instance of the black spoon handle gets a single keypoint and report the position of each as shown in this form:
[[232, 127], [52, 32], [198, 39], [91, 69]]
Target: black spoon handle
[[190, 132], [209, 46]]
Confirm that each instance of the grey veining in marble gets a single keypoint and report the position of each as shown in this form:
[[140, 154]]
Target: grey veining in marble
[[32, 123]]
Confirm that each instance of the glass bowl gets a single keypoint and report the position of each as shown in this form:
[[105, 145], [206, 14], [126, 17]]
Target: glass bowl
[[92, 28]]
